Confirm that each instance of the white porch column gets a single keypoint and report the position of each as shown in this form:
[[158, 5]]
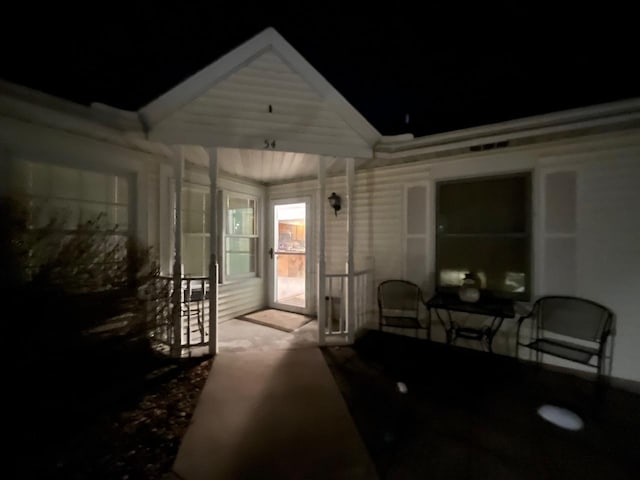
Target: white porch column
[[176, 345], [322, 304], [351, 318], [213, 251]]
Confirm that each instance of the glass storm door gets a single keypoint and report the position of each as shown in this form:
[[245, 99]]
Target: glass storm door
[[288, 252]]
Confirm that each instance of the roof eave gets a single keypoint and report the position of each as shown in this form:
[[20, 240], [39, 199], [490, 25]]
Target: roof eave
[[196, 85], [593, 116]]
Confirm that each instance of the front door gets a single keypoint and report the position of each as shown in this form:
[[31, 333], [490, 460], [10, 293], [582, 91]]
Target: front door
[[289, 285]]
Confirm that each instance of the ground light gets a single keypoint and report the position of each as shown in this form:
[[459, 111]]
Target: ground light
[[561, 417]]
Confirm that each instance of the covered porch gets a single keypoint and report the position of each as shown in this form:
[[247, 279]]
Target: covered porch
[[293, 284], [261, 127], [243, 132]]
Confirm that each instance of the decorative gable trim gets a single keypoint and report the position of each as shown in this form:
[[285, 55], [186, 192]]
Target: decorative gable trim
[[269, 39]]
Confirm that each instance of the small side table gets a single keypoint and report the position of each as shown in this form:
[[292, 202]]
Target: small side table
[[497, 308]]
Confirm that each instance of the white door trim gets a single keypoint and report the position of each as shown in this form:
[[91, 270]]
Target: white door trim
[[308, 309]]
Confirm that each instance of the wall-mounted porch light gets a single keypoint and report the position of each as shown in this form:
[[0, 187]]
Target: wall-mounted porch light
[[335, 202]]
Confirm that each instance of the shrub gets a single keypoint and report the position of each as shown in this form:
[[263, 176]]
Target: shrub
[[77, 299]]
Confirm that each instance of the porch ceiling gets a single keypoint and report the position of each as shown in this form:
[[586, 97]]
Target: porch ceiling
[[269, 166]]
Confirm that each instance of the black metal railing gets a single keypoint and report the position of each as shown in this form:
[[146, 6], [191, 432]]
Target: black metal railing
[[193, 328]]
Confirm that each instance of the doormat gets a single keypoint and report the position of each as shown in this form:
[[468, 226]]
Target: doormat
[[285, 321]]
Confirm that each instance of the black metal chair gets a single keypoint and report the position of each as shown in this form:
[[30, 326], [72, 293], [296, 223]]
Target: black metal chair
[[399, 305], [193, 305], [567, 327]]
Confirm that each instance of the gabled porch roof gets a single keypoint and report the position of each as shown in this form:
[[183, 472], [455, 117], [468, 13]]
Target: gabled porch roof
[[261, 96]]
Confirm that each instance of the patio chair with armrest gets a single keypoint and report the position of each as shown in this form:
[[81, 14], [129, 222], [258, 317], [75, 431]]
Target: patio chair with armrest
[[399, 305], [567, 327]]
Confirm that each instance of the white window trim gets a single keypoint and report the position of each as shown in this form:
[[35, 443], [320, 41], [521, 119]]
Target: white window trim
[[223, 236], [172, 245], [29, 195], [531, 227]]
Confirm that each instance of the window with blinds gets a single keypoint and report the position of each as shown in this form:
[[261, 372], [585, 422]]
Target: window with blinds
[[62, 200], [70, 195]]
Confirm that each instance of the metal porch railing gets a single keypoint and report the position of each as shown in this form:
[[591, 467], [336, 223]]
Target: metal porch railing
[[338, 327], [194, 312]]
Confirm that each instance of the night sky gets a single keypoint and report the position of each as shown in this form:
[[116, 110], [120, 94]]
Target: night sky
[[447, 65]]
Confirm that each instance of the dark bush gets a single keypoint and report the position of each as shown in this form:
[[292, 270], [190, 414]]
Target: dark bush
[[77, 310]]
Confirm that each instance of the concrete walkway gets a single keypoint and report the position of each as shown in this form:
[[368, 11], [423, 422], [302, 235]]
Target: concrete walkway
[[272, 414]]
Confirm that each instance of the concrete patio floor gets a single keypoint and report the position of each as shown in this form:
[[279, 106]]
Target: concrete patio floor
[[272, 408], [473, 415], [239, 336]]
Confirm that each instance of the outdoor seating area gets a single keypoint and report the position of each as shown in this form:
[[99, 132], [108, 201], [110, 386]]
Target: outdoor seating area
[[571, 328], [566, 327], [399, 304], [496, 308]]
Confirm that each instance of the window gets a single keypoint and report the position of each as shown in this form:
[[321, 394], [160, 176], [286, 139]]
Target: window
[[483, 226], [73, 195], [240, 236], [195, 232], [237, 215]]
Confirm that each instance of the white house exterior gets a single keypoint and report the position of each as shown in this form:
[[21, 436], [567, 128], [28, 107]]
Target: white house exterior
[[261, 125]]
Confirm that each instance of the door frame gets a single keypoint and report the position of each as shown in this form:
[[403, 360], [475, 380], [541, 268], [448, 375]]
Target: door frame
[[271, 284]]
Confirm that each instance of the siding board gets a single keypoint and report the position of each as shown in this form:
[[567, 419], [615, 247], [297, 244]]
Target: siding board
[[240, 298], [608, 253], [300, 130], [238, 107]]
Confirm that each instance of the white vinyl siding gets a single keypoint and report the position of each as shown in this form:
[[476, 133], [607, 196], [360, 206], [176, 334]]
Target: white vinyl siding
[[237, 109], [608, 248]]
